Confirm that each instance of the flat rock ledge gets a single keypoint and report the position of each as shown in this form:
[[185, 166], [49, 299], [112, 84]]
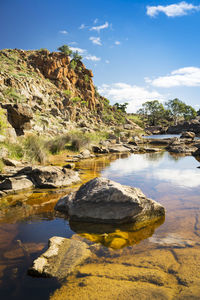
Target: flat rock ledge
[[38, 177], [61, 258], [101, 200]]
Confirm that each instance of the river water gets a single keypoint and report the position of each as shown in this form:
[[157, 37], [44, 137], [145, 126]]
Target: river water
[[157, 262]]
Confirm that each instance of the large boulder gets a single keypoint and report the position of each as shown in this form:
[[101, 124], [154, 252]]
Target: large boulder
[[19, 116], [187, 135], [104, 201], [61, 258], [16, 184]]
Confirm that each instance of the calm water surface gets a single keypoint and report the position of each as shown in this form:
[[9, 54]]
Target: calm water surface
[[166, 256]]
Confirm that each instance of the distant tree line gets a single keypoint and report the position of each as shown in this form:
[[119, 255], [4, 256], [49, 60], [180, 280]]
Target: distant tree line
[[174, 110]]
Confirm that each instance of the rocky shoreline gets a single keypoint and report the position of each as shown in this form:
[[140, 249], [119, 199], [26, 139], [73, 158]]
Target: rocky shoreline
[[18, 176]]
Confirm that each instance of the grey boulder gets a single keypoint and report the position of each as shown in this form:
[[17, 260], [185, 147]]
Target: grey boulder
[[104, 201], [16, 184], [50, 176]]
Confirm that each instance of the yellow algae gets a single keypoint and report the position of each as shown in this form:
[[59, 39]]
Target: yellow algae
[[115, 237], [116, 282], [149, 274]]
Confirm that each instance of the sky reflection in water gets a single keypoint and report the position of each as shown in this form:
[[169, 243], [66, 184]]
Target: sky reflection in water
[[150, 167]]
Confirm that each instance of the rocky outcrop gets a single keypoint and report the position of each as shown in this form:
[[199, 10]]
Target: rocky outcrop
[[156, 129], [48, 93], [193, 126], [61, 258], [104, 201], [37, 176], [181, 146], [19, 116], [49, 176], [56, 66]]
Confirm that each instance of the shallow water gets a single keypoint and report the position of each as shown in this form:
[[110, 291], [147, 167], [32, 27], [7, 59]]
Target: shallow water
[[157, 262], [165, 136], [161, 136]]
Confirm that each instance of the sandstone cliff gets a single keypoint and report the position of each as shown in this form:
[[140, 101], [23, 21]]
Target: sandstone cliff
[[44, 92]]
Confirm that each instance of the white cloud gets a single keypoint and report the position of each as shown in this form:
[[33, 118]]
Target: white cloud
[[63, 32], [92, 57], [189, 76], [172, 10], [95, 40], [188, 178], [83, 26], [107, 61], [85, 54], [100, 27], [81, 51], [125, 167], [117, 42], [134, 95], [96, 21]]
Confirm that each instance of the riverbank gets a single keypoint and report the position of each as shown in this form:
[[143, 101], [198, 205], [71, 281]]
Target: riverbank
[[159, 265]]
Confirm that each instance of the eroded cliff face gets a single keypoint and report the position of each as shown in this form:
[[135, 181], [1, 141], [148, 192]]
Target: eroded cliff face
[[56, 67], [48, 93], [59, 95]]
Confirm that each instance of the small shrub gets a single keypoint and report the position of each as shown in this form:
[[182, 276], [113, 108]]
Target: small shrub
[[83, 103], [76, 56], [3, 122], [75, 100], [78, 141], [12, 94], [86, 78], [15, 150], [58, 144], [73, 64], [68, 93], [79, 69], [35, 149]]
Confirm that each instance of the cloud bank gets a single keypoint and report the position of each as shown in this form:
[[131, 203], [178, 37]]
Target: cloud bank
[[173, 10], [134, 95], [188, 76]]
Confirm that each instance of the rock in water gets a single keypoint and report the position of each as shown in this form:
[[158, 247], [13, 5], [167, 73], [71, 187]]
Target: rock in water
[[104, 201], [61, 258]]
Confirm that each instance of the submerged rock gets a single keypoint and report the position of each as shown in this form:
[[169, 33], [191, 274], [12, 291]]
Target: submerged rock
[[61, 258], [104, 201], [115, 236]]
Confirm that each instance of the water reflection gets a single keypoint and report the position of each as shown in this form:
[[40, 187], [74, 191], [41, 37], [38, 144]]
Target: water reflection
[[115, 237], [177, 170]]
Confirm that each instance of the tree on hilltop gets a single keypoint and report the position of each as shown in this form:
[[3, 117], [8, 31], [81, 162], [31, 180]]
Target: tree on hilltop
[[76, 56], [65, 49]]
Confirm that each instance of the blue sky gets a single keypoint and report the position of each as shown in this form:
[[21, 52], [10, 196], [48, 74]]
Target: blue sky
[[138, 50]]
